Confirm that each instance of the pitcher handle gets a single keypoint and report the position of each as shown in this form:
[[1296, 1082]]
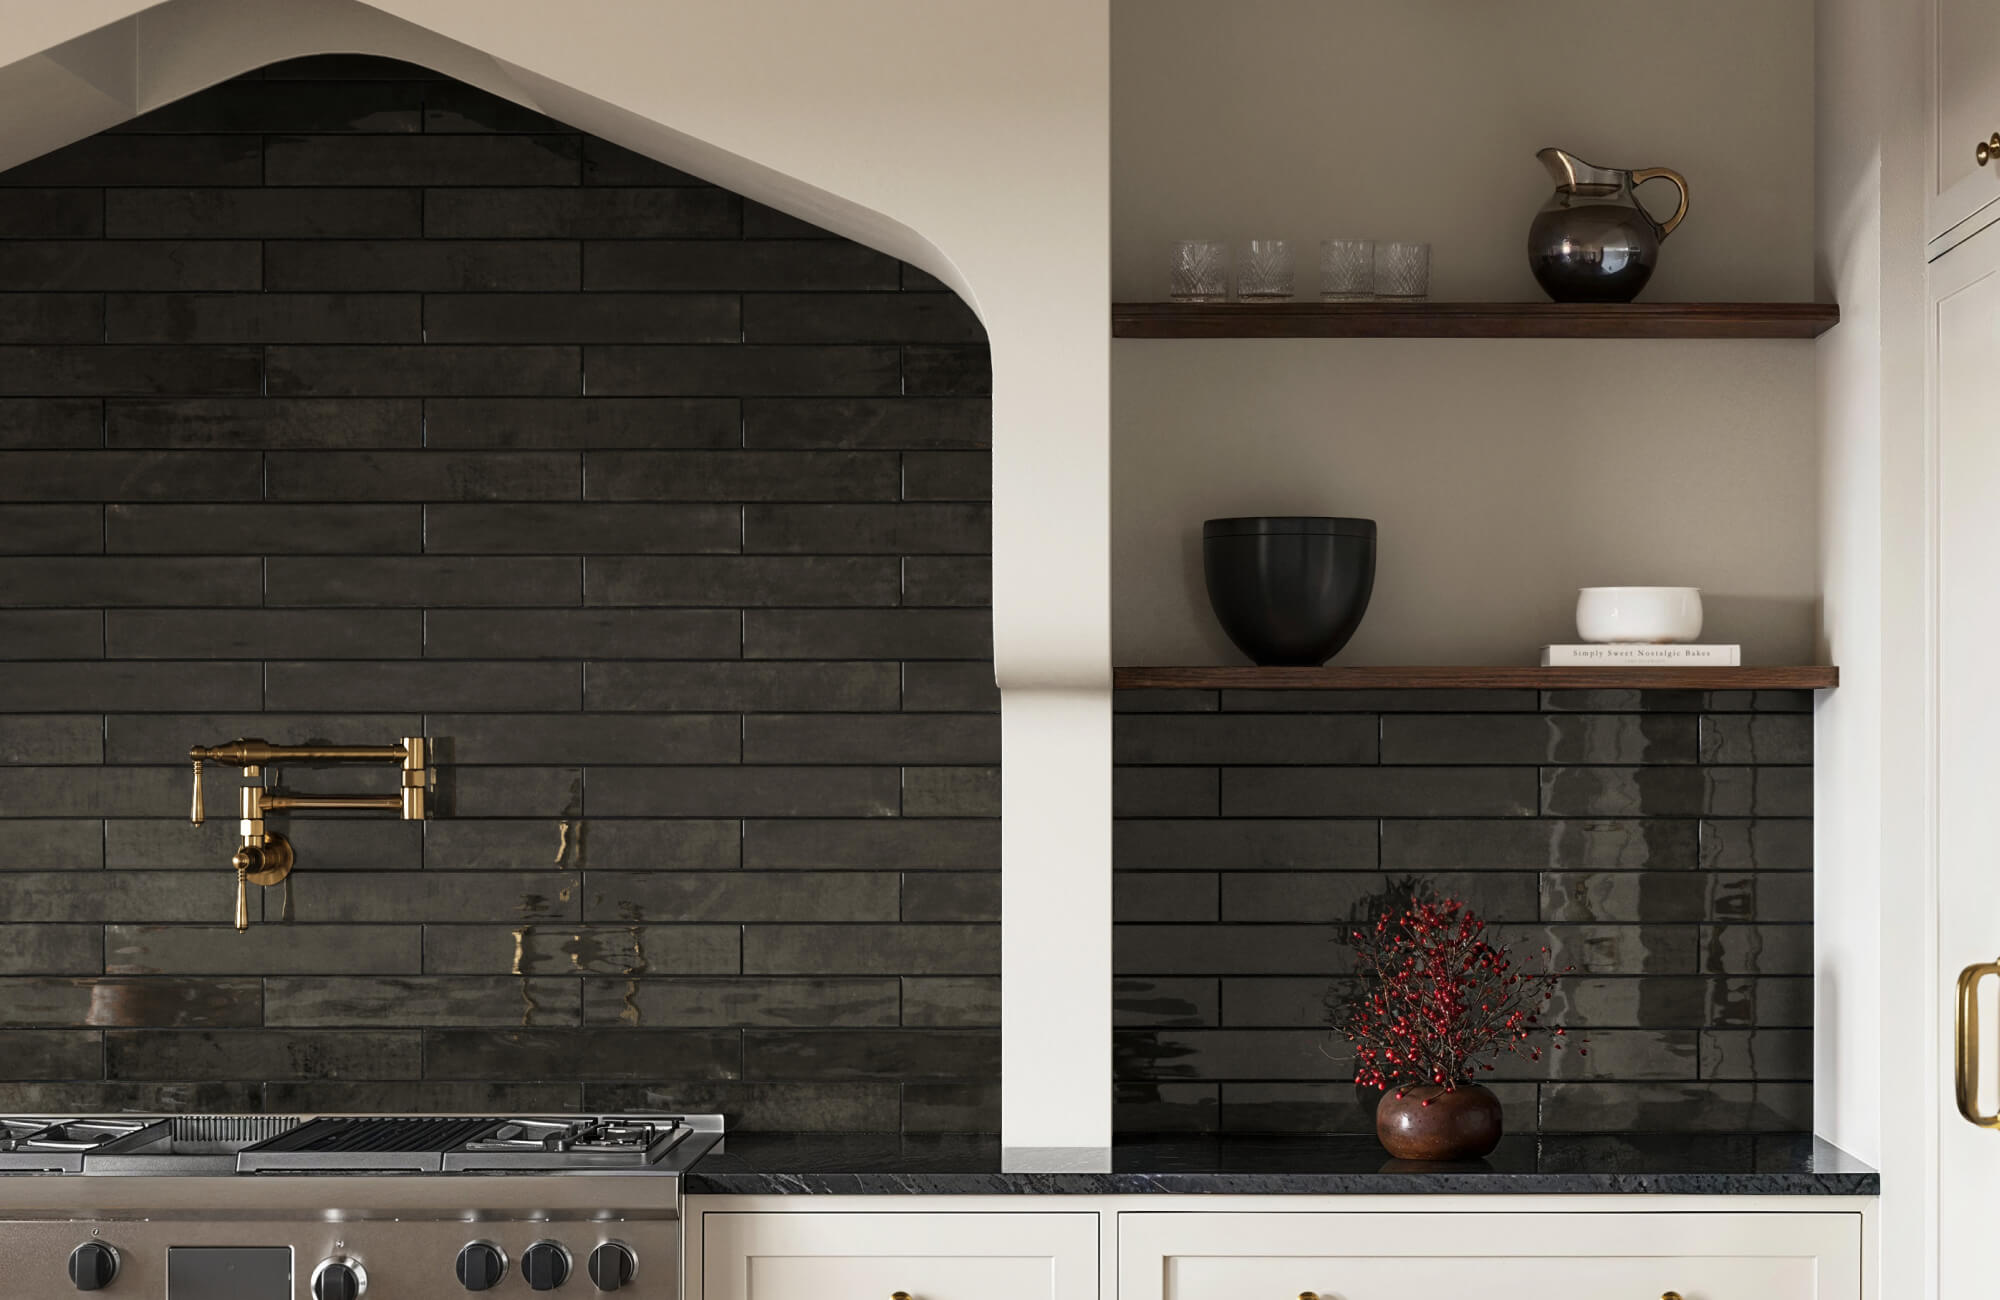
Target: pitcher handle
[[1680, 183]]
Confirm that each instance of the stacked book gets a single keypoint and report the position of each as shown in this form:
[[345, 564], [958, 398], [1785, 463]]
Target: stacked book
[[1642, 656]]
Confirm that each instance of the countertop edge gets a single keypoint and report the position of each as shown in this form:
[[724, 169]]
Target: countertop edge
[[735, 1183]]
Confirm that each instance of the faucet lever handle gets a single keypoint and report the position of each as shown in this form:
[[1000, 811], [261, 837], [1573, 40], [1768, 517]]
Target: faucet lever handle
[[196, 813], [242, 894]]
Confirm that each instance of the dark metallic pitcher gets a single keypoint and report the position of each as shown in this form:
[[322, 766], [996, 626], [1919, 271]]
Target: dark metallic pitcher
[[1592, 242]]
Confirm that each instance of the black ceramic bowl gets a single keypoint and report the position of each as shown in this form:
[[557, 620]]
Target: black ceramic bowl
[[1289, 590]]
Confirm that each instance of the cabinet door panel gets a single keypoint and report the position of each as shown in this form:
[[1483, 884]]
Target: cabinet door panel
[[1636, 1278], [835, 1256], [1965, 323], [877, 1277], [1492, 1256], [1967, 108]]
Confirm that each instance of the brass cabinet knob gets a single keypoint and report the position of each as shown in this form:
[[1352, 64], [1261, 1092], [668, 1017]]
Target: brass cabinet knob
[[899, 1295], [1987, 150], [1308, 1295], [1670, 1295]]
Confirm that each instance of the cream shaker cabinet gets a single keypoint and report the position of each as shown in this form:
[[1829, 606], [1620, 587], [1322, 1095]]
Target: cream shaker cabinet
[[1965, 357], [1617, 1256], [842, 1249], [1965, 114], [835, 1256]]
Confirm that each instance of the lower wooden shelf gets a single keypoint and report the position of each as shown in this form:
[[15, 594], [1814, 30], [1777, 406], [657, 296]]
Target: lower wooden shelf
[[1808, 678]]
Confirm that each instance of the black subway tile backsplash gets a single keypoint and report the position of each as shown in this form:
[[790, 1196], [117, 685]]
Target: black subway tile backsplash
[[828, 422], [898, 529], [1657, 844], [343, 402], [403, 159], [52, 214], [262, 634], [748, 266], [749, 581], [691, 211], [50, 423], [259, 106], [131, 159], [262, 317], [259, 423], [582, 318], [591, 633], [391, 370], [577, 423], [190, 210], [49, 317], [51, 530]]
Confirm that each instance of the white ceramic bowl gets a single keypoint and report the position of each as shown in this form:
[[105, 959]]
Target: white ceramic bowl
[[1638, 615]]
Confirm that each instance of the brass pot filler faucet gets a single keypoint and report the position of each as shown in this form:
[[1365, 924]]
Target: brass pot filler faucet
[[266, 856]]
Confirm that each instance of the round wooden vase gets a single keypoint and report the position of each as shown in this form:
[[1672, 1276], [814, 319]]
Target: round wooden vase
[[1429, 1123]]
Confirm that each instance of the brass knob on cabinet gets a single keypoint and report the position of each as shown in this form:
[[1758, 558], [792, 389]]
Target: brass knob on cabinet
[[1670, 1295], [1987, 150], [1308, 1295], [899, 1295]]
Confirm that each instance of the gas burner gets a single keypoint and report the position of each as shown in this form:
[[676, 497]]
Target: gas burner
[[584, 1135], [57, 1145], [81, 1134], [13, 1132], [530, 1135], [585, 1142]]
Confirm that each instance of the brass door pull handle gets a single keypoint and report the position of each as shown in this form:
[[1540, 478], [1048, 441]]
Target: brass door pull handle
[[1966, 1044], [1987, 150]]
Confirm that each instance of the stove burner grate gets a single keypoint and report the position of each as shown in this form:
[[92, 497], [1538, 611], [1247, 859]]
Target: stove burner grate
[[352, 1136], [362, 1142]]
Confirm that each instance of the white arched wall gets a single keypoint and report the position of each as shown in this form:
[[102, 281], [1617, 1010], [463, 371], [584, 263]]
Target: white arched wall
[[968, 137]]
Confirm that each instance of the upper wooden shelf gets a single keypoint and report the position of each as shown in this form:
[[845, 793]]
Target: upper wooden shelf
[[1472, 320], [1481, 679]]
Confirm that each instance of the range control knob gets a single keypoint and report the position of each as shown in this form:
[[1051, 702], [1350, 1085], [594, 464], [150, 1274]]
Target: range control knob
[[92, 1266], [339, 1278], [481, 1265], [612, 1266], [546, 1266]]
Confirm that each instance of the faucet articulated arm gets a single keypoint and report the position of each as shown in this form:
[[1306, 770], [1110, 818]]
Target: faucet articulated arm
[[266, 857]]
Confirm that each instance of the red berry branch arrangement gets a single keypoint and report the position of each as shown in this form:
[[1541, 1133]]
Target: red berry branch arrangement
[[1439, 1001]]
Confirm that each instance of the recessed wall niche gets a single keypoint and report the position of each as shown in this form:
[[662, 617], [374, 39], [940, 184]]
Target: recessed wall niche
[[342, 401]]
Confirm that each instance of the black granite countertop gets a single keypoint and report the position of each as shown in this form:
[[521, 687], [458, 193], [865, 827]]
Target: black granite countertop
[[863, 1164]]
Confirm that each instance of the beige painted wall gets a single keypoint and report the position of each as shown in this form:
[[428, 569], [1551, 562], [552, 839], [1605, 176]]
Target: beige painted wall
[[1881, 1013], [1504, 473]]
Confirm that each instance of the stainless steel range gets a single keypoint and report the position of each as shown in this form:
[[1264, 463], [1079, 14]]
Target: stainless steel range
[[337, 1207]]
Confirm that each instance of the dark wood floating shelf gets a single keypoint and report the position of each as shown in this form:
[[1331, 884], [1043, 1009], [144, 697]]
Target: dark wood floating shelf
[[1481, 679], [1472, 320]]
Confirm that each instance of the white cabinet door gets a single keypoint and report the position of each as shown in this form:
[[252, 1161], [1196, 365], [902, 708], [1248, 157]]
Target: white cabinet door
[[1966, 110], [1430, 1256], [833, 1256], [1965, 322]]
